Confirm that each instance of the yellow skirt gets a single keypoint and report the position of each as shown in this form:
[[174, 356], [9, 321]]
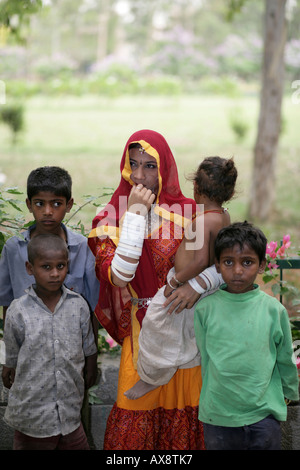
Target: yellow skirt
[[165, 418]]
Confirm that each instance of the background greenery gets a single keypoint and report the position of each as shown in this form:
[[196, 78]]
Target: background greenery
[[87, 135]]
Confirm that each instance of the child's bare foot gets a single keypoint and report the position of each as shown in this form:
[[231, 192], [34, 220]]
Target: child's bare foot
[[139, 389]]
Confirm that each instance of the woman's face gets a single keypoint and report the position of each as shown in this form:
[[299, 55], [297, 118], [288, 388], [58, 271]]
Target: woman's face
[[144, 169]]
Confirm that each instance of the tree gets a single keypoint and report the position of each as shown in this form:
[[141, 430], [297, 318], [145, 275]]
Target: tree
[[269, 125], [14, 13]]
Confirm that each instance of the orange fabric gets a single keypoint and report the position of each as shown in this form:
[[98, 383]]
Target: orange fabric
[[166, 418], [182, 390]]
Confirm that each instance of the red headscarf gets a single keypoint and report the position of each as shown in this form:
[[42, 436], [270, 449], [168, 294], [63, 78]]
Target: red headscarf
[[171, 204]]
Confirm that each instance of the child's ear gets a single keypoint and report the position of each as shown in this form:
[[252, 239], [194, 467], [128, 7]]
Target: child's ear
[[29, 268], [70, 204], [262, 266], [217, 264], [28, 204]]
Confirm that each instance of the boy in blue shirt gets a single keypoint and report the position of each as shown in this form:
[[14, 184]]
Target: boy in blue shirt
[[244, 337], [49, 198]]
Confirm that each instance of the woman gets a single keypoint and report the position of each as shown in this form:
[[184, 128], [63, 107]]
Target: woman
[[131, 268]]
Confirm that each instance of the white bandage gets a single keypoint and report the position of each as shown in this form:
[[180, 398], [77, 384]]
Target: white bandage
[[130, 245], [212, 278], [120, 276], [124, 266], [132, 235], [196, 286]]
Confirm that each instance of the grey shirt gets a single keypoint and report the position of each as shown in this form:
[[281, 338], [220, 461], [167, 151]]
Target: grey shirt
[[48, 352]]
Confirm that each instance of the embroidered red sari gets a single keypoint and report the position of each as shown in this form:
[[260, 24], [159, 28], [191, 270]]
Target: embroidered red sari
[[167, 417]]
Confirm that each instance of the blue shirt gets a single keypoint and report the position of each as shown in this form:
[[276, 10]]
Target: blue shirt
[[81, 277]]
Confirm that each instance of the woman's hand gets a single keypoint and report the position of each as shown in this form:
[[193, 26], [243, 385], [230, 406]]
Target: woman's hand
[[181, 298], [140, 200]]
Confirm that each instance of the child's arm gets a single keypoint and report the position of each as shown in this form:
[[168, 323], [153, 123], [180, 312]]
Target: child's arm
[[8, 376], [13, 339], [90, 370], [4, 310], [89, 347], [286, 360], [197, 240]]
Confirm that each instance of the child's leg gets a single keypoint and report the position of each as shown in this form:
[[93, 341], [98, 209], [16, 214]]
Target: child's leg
[[224, 438], [139, 390], [76, 440], [265, 434], [24, 442]]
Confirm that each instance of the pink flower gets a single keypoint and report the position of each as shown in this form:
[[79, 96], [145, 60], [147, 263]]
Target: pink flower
[[281, 251], [112, 343], [271, 247], [286, 241], [298, 362], [272, 266]]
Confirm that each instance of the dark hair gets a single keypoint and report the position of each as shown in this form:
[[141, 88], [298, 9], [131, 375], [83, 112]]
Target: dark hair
[[44, 242], [134, 145], [49, 178], [216, 178], [241, 233]]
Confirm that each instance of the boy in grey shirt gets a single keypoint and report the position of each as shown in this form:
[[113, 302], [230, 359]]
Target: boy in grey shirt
[[49, 345]]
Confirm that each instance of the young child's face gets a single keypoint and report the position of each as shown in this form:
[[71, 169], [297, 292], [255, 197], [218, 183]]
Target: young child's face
[[239, 268], [49, 270], [48, 210]]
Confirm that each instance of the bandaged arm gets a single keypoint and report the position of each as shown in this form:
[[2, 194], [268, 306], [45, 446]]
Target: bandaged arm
[[129, 249], [209, 277]]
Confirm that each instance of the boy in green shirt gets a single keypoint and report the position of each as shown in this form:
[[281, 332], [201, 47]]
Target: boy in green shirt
[[244, 337]]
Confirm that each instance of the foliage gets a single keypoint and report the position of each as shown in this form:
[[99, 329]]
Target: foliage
[[13, 116], [15, 13], [238, 124], [12, 223], [274, 252], [192, 42], [106, 343], [234, 7]]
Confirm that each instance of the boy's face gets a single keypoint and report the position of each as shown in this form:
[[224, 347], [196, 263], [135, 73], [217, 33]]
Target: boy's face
[[239, 268], [48, 210], [49, 270]]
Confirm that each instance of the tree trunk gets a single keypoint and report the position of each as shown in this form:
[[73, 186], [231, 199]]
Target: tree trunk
[[263, 179]]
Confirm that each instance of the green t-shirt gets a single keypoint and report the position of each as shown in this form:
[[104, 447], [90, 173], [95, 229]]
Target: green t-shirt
[[247, 358]]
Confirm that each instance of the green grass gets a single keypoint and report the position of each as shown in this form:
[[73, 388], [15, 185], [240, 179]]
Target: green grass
[[87, 136]]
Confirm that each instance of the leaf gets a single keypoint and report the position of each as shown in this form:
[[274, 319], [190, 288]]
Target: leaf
[[276, 289], [267, 278], [13, 191], [13, 204]]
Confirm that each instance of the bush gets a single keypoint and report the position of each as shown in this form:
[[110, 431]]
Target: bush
[[13, 116], [239, 125]]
